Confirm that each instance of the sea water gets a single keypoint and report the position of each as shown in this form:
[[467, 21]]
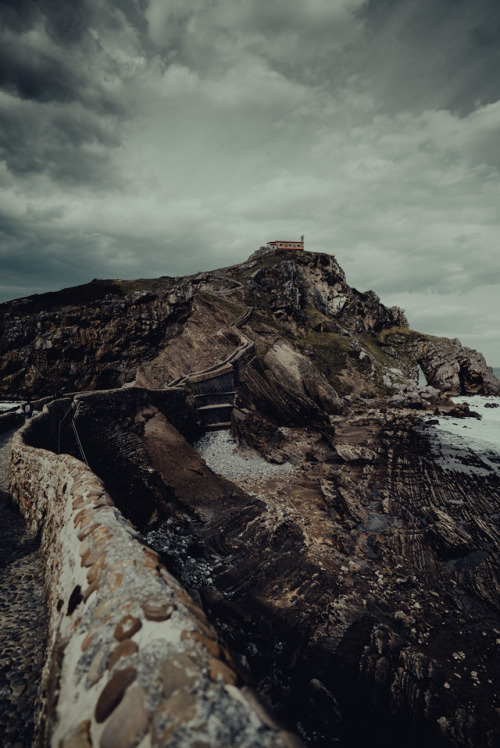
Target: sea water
[[468, 445], [8, 405]]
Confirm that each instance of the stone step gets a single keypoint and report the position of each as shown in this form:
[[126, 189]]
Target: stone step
[[217, 426], [213, 398], [216, 406], [207, 394]]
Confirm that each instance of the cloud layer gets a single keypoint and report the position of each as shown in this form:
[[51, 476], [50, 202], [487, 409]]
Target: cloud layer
[[164, 137]]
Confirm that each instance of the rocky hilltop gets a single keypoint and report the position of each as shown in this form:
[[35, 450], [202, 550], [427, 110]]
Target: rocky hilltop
[[309, 329], [349, 564]]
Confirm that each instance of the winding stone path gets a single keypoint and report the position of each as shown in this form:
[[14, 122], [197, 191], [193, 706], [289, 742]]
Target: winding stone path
[[22, 617]]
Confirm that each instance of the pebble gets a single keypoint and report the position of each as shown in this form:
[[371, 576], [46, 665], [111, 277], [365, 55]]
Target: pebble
[[113, 692], [124, 649], [157, 609], [128, 626], [129, 720], [219, 450], [78, 737], [178, 671]]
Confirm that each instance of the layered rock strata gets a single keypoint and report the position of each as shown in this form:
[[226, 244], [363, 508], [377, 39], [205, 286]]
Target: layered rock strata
[[130, 656], [113, 333], [360, 577]]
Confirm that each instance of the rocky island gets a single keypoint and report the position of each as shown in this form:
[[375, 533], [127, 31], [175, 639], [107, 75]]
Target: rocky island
[[250, 535]]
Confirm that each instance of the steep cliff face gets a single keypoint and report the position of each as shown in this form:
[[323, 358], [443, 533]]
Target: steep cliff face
[[354, 573], [89, 337], [110, 333]]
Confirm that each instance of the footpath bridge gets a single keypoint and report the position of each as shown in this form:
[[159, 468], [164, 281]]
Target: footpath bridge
[[214, 386]]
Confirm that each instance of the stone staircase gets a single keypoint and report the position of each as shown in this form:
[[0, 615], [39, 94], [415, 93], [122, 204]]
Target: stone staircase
[[215, 399], [214, 387]]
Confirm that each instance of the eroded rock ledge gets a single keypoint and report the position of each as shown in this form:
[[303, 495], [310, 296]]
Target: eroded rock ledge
[[358, 593], [131, 658]]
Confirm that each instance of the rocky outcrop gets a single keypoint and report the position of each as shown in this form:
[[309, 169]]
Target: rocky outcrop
[[448, 366], [50, 343], [361, 577], [455, 369], [152, 332], [351, 578], [130, 656]]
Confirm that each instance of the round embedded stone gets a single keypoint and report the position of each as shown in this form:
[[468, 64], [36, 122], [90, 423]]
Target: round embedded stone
[[93, 586], [77, 737], [207, 643], [157, 609], [175, 712], [218, 670], [87, 531], [128, 626], [124, 649], [178, 671], [87, 641], [117, 582], [91, 556], [94, 570], [97, 667], [113, 692], [128, 722]]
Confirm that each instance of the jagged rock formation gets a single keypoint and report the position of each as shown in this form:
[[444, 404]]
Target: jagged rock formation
[[448, 365], [111, 333], [360, 578], [353, 578]]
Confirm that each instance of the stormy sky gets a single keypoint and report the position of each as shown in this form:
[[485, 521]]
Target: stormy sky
[[141, 138]]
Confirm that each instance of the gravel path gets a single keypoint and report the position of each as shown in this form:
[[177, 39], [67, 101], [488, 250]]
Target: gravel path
[[221, 453], [22, 617]]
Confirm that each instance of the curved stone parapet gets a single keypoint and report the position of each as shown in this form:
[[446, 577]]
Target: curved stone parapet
[[131, 660]]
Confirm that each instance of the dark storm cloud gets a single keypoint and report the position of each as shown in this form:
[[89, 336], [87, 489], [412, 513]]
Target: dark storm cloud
[[41, 251], [432, 54], [151, 137], [68, 144], [32, 75], [39, 254], [66, 21], [52, 60], [64, 86]]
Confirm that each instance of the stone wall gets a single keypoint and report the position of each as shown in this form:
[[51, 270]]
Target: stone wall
[[131, 660]]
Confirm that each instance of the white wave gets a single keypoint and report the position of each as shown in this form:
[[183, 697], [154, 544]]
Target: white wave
[[469, 445]]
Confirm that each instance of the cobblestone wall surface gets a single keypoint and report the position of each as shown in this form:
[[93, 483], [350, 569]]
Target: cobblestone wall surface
[[131, 660]]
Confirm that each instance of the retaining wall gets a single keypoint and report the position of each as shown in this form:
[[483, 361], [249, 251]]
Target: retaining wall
[[131, 660]]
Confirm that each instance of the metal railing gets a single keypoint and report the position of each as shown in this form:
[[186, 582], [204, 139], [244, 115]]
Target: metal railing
[[74, 428]]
